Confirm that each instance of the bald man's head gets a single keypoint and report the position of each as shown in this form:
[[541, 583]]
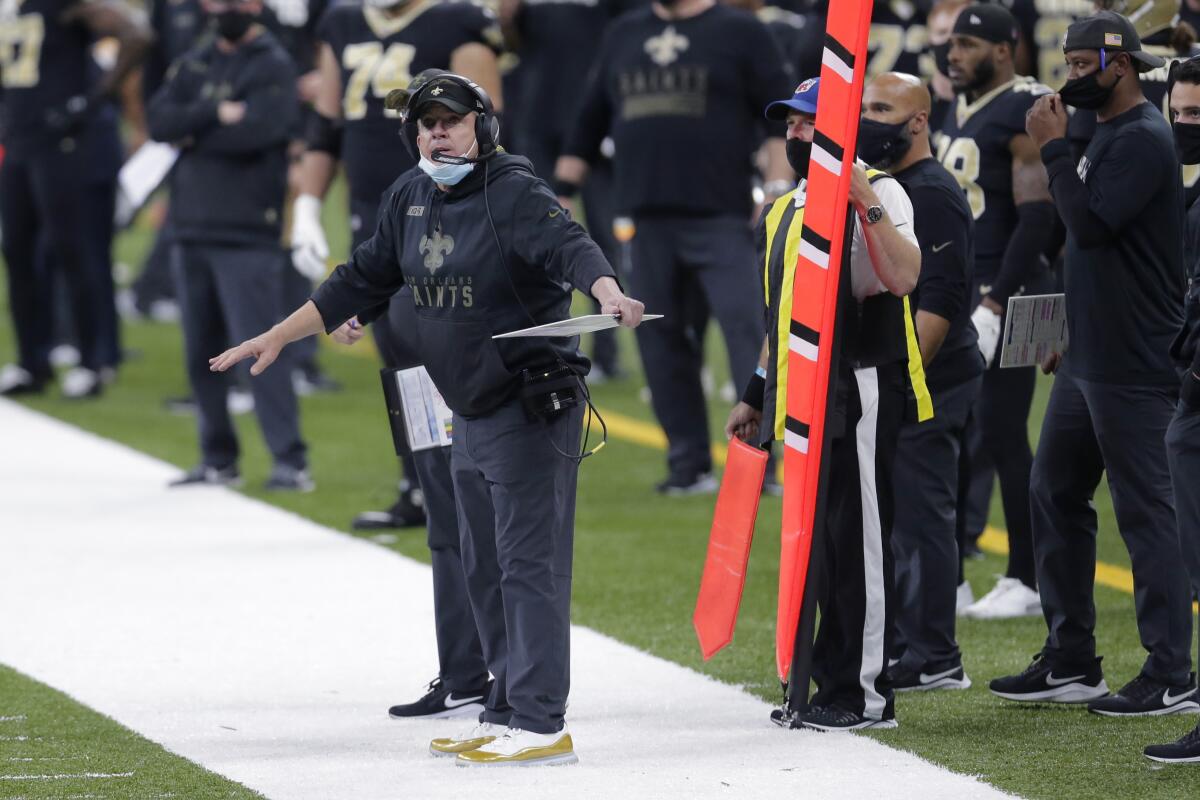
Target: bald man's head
[[894, 96], [895, 127]]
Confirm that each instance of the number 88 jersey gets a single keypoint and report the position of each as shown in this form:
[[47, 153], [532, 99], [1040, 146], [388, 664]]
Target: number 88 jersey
[[378, 53], [973, 145]]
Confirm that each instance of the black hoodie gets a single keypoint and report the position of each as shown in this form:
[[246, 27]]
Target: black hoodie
[[442, 246], [230, 182]]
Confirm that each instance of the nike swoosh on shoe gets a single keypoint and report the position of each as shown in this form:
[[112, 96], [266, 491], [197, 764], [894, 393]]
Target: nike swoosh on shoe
[[927, 679], [1168, 700], [1053, 681], [457, 703]]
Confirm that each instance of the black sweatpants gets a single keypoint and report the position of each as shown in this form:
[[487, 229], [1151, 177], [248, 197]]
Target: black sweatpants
[[855, 632], [925, 536], [1183, 456], [229, 294], [999, 441], [460, 655], [54, 217], [673, 257], [1090, 429]]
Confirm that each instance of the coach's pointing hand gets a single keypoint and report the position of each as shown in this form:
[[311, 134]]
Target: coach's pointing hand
[[264, 348]]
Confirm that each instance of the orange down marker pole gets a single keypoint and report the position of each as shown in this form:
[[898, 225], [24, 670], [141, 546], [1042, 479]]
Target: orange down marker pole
[[814, 303]]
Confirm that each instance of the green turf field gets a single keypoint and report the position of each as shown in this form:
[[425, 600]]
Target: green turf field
[[638, 561]]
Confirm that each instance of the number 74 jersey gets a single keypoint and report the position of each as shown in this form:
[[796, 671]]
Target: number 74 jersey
[[378, 53], [973, 145]]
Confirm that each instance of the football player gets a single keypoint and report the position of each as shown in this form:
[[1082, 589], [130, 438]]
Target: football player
[[57, 118], [984, 145]]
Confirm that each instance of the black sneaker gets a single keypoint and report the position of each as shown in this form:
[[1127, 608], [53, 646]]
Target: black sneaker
[[1184, 751], [1045, 682], [678, 485], [833, 718], [407, 512], [441, 703], [289, 479], [931, 676], [16, 382], [209, 476], [1145, 697]]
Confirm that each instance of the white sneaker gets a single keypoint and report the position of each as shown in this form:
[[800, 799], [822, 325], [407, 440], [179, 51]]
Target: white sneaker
[[521, 748], [239, 401], [1008, 600], [15, 379], [962, 599], [64, 356], [81, 382], [476, 736]]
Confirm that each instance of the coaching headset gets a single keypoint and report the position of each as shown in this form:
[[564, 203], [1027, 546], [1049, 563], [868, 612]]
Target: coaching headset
[[462, 95]]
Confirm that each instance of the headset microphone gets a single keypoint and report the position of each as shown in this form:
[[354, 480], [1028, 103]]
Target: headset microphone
[[442, 158]]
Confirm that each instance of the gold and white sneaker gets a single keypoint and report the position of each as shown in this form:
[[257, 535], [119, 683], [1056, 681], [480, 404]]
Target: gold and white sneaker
[[473, 737], [518, 748]]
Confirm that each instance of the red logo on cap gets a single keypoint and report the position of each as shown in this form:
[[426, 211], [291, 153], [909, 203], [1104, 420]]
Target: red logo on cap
[[804, 87]]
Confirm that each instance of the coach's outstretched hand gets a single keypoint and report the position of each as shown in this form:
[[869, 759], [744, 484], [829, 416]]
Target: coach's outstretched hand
[[264, 349]]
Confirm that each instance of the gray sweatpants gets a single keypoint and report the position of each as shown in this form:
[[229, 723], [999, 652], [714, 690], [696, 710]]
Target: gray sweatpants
[[227, 295], [516, 513], [923, 537], [1089, 429]]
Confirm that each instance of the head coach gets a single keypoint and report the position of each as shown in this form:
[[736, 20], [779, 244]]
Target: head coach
[[487, 248], [1116, 389]]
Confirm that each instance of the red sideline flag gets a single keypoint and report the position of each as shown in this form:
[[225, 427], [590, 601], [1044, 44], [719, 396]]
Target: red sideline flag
[[814, 302], [729, 547]]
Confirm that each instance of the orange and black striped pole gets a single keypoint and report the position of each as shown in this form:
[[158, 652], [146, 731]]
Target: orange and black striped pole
[[812, 352]]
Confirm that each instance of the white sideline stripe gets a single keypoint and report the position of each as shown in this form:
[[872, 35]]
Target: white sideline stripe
[[78, 776], [17, 718], [186, 614], [829, 59]]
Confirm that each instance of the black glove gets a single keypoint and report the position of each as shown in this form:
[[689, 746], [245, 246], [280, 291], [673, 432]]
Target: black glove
[[1189, 391], [69, 118]]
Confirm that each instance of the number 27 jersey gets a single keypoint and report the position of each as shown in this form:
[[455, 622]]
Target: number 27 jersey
[[376, 54], [973, 145]]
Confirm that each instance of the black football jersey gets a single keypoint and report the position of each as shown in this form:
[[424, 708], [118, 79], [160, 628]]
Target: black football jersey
[[43, 63], [898, 39], [973, 145], [378, 54], [294, 23], [1049, 31]]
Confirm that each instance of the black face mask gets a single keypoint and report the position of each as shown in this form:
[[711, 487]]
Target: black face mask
[[1086, 92], [881, 145], [798, 152], [941, 57], [1187, 142], [232, 25]]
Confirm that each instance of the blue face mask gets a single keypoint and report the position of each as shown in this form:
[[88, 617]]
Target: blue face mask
[[446, 174]]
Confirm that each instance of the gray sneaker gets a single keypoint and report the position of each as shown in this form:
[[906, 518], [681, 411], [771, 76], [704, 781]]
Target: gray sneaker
[[289, 479], [205, 475]]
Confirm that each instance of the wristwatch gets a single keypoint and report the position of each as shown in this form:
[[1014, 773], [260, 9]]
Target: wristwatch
[[874, 214]]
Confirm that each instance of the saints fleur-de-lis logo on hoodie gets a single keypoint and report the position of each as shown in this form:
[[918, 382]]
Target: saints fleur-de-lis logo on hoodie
[[435, 249]]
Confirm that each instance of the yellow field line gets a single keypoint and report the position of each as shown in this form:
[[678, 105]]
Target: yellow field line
[[650, 435], [993, 539]]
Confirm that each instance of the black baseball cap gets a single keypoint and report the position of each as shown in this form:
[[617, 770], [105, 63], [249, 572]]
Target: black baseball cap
[[987, 21], [1108, 30], [434, 86]]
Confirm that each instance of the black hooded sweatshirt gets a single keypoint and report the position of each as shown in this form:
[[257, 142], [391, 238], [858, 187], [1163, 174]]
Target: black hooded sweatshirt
[[466, 286]]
